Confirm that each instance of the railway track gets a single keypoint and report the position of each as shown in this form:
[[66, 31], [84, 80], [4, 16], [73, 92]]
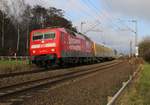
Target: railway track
[[33, 71], [8, 91], [19, 77]]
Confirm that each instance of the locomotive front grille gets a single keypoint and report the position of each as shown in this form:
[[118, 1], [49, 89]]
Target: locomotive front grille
[[45, 57]]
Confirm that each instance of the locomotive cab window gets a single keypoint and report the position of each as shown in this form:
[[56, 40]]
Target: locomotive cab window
[[37, 37], [49, 35]]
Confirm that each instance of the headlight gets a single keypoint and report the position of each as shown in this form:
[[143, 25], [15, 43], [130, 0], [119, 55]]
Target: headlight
[[33, 51], [42, 41], [52, 49]]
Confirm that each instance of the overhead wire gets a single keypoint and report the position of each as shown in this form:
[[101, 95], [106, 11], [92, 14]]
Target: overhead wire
[[83, 10], [93, 12], [108, 6], [90, 14], [97, 12]]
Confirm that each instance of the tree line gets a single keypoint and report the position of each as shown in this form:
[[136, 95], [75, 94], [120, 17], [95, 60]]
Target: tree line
[[144, 49], [14, 35]]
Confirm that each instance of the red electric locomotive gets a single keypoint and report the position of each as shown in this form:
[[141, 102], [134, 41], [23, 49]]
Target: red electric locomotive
[[59, 46]]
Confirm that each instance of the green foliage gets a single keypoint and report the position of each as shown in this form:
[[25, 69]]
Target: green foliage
[[7, 66], [144, 49], [144, 85], [2, 51]]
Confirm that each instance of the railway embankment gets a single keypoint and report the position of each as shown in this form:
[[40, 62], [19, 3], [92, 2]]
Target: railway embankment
[[138, 92], [92, 89], [85, 85]]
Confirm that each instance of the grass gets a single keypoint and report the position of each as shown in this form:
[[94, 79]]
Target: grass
[[139, 94], [144, 85], [7, 66], [11, 63]]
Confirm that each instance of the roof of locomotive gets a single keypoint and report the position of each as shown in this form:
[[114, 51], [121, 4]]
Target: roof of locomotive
[[65, 30]]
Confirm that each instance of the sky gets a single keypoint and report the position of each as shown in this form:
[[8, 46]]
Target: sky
[[106, 22]]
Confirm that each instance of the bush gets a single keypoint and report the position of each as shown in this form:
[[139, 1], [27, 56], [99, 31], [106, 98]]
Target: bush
[[147, 56], [3, 51], [144, 49]]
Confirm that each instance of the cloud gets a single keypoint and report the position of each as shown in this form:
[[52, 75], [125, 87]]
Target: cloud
[[78, 11], [135, 8]]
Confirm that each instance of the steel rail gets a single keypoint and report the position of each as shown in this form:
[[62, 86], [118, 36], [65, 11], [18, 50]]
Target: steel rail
[[12, 90]]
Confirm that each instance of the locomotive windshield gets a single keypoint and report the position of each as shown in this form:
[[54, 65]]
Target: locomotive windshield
[[37, 37], [50, 35]]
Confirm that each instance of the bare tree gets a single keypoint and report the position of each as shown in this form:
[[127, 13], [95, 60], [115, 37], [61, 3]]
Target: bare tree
[[3, 29]]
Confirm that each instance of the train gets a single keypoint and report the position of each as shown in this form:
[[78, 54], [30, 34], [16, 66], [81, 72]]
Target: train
[[61, 46]]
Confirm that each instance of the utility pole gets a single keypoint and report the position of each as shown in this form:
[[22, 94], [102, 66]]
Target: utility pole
[[135, 31], [136, 38], [130, 48], [82, 26]]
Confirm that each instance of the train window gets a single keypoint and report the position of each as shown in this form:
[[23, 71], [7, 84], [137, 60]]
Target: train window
[[37, 37], [49, 35]]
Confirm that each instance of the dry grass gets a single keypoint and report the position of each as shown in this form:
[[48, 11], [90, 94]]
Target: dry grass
[[10, 66], [139, 93]]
